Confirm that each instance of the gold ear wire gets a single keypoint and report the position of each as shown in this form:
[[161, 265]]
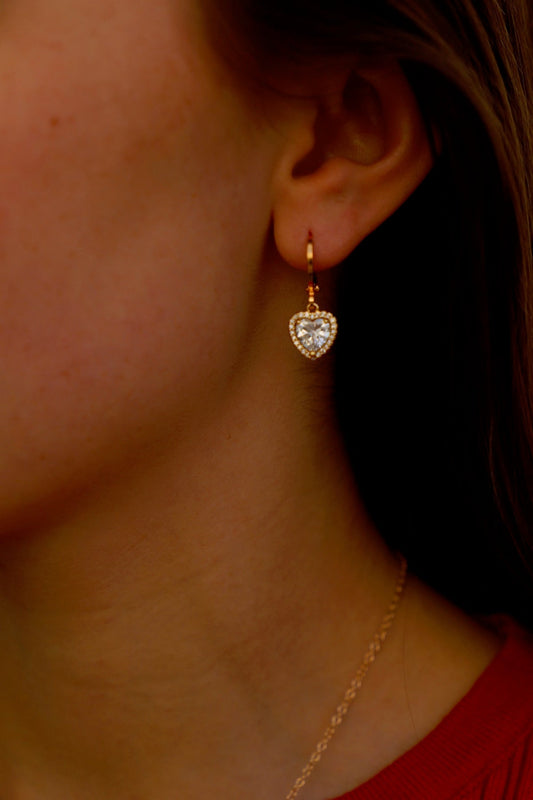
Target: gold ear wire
[[312, 285], [312, 331]]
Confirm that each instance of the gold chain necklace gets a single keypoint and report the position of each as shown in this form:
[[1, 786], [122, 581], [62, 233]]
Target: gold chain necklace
[[353, 689]]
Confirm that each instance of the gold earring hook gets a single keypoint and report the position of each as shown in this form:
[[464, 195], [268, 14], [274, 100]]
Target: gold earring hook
[[312, 287]]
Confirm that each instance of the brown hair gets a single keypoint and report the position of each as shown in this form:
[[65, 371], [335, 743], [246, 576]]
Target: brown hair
[[440, 425]]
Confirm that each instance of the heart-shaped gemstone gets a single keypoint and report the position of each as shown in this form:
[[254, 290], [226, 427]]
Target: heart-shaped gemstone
[[313, 332]]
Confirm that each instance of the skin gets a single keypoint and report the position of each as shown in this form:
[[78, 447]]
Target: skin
[[187, 576], [119, 233]]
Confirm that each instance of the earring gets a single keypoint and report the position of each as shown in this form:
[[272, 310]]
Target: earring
[[312, 331]]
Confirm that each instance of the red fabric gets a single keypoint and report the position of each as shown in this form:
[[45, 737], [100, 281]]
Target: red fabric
[[483, 749]]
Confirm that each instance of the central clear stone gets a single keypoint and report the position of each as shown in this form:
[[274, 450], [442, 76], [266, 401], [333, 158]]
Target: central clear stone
[[313, 333]]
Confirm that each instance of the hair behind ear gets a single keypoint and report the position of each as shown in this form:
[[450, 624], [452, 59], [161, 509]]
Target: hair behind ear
[[430, 305]]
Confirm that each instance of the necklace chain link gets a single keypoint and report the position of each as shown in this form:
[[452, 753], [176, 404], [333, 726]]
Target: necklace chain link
[[353, 689]]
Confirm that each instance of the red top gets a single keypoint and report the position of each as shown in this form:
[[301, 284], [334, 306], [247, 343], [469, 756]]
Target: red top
[[483, 749]]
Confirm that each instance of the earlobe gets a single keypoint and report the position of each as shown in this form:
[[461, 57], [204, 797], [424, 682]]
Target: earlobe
[[369, 152]]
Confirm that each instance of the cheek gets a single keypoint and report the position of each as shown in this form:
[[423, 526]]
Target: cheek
[[118, 265]]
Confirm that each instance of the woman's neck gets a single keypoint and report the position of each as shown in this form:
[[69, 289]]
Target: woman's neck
[[200, 612], [189, 627]]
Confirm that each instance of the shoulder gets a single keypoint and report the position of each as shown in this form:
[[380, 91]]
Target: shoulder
[[496, 721], [483, 748]]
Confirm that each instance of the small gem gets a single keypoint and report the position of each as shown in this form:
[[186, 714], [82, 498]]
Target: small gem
[[313, 333]]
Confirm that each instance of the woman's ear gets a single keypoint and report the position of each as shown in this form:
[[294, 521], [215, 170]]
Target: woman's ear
[[348, 165]]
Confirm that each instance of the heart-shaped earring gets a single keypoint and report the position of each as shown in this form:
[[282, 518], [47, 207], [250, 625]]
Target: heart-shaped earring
[[312, 331]]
